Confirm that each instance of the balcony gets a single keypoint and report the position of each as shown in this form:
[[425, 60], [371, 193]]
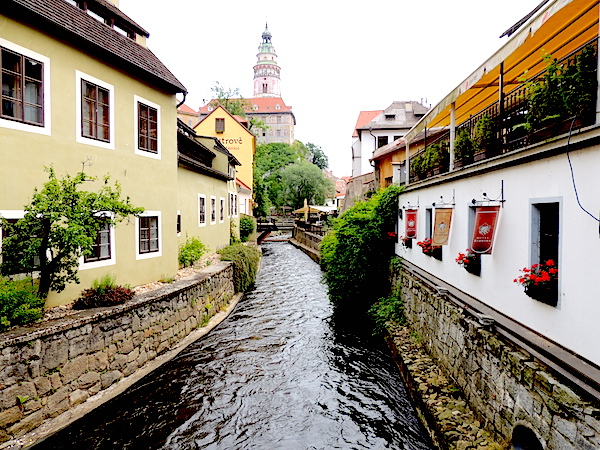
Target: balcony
[[558, 100]]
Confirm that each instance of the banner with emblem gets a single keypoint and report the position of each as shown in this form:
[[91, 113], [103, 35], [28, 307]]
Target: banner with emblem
[[411, 224], [486, 218], [441, 229]]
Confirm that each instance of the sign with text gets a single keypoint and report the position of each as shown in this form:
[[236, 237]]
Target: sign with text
[[411, 224], [486, 218], [441, 230]]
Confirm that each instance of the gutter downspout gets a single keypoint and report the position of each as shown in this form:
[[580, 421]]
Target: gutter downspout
[[182, 101]]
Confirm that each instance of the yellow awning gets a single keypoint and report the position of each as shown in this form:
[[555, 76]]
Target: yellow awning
[[557, 29]]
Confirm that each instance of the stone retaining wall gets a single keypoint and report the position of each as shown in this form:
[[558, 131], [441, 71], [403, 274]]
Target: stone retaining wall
[[505, 385], [49, 368]]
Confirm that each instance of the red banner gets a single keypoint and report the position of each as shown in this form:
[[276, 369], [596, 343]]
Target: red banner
[[411, 224], [486, 218]]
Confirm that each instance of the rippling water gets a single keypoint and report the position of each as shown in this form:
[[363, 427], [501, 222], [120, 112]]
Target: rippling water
[[279, 373]]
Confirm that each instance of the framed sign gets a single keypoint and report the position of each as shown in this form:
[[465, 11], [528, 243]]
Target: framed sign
[[484, 229]]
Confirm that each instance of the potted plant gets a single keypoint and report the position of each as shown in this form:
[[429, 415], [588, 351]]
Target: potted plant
[[464, 148], [430, 250], [417, 166], [540, 281], [406, 242], [484, 138], [470, 261]]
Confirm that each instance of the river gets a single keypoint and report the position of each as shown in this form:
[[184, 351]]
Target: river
[[278, 373]]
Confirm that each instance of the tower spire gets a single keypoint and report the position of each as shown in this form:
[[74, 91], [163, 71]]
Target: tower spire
[[267, 71]]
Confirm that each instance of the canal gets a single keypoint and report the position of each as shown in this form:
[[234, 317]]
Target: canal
[[278, 373]]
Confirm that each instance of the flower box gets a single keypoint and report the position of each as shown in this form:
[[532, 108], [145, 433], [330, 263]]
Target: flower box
[[540, 282], [545, 293], [470, 261]]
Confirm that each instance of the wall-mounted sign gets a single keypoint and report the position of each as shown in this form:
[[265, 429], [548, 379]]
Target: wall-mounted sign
[[411, 223], [486, 218], [441, 230]]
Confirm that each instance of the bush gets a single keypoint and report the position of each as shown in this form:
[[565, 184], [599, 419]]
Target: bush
[[246, 227], [19, 302], [356, 253], [387, 309], [104, 292], [191, 251], [245, 264]]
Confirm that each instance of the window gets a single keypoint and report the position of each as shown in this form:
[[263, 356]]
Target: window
[[147, 128], [265, 88], [149, 235], [178, 223], [381, 141], [95, 111], [235, 210], [389, 181], [219, 125], [222, 210], [390, 116], [201, 210], [545, 244], [230, 204], [101, 248], [22, 91], [213, 209], [429, 223], [278, 119]]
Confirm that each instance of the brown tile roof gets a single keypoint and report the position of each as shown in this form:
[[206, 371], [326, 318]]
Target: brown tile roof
[[119, 15], [77, 28], [264, 105]]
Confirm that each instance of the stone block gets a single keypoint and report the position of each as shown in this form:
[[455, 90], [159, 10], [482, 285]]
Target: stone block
[[529, 370], [98, 361], [133, 355], [130, 368], [42, 385], [543, 380], [93, 390], [58, 402], [87, 380], [74, 369], [10, 416], [54, 353], [565, 427], [78, 396], [109, 378], [125, 346], [565, 396], [55, 381], [15, 394], [32, 405], [559, 442], [119, 361], [28, 423], [79, 346]]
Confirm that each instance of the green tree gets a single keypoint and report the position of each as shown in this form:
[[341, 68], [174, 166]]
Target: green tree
[[60, 225], [304, 180], [230, 99], [317, 156]]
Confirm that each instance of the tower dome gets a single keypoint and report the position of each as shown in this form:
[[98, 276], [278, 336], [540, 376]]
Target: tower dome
[[267, 71]]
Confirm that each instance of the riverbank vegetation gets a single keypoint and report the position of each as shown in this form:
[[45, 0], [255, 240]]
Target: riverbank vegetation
[[357, 251], [246, 260], [19, 302]]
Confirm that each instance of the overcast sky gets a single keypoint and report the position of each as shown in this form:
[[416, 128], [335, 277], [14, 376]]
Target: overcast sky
[[337, 58]]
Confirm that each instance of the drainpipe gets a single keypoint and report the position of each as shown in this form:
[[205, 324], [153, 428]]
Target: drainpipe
[[182, 101], [452, 133]]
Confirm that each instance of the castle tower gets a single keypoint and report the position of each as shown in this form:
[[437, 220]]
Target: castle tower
[[267, 81]]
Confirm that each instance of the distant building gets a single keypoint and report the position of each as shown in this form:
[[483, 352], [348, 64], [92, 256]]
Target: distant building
[[267, 104], [374, 129]]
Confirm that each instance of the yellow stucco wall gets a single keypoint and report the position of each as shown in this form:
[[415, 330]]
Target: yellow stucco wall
[[151, 183], [238, 140]]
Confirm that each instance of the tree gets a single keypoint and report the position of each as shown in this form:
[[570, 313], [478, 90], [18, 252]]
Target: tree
[[60, 225], [318, 157], [230, 99], [304, 180]]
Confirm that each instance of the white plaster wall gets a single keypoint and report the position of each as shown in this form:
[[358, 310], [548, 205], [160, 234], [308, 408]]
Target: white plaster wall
[[574, 322]]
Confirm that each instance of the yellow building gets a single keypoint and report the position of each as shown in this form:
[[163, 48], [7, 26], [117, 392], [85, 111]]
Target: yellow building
[[206, 189], [80, 90], [234, 136]]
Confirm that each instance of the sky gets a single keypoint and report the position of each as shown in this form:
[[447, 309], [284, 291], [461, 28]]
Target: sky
[[337, 58]]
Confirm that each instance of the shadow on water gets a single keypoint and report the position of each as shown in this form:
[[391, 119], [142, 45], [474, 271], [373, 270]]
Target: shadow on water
[[280, 373]]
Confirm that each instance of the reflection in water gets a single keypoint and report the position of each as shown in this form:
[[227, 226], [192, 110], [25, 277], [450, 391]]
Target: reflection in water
[[279, 373]]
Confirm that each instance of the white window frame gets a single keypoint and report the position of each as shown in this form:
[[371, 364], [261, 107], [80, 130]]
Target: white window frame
[[235, 205], [222, 204], [149, 255], [200, 224], [79, 76], [46, 129], [113, 250], [138, 150], [213, 210]]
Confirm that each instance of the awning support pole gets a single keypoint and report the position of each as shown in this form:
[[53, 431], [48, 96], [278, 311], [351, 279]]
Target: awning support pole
[[452, 133]]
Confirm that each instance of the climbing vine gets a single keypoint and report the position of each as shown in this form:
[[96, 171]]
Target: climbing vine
[[356, 252]]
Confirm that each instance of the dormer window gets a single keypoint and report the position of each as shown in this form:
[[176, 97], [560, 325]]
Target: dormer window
[[277, 106], [390, 116], [255, 107], [98, 17]]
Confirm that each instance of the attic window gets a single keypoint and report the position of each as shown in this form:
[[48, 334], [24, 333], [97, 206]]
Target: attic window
[[210, 108], [96, 16], [278, 106], [220, 125], [255, 107], [390, 116]]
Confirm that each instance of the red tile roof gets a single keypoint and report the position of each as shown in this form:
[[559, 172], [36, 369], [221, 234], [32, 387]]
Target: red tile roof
[[242, 184], [187, 110], [264, 105], [364, 117], [74, 26]]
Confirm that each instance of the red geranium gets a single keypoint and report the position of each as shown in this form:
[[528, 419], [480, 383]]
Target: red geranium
[[538, 274]]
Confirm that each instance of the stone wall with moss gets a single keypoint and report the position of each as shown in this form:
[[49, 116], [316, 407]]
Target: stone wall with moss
[[505, 385], [48, 368]]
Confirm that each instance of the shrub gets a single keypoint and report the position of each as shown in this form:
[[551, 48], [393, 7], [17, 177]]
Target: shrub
[[245, 264], [104, 292], [464, 148], [355, 254], [246, 227], [191, 251], [387, 309], [19, 302]]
